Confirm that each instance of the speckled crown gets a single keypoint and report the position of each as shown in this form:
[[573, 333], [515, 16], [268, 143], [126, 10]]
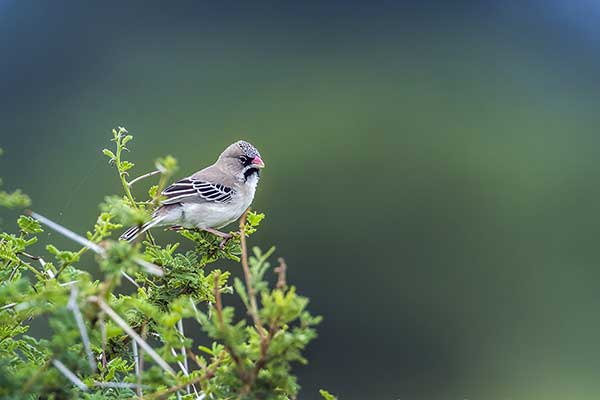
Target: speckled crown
[[248, 149]]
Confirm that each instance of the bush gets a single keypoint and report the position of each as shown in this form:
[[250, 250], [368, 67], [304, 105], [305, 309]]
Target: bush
[[114, 340]]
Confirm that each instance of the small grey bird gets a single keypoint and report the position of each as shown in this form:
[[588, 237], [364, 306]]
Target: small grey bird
[[211, 198]]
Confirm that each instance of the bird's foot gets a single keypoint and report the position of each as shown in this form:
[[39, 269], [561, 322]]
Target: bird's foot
[[224, 241], [226, 237]]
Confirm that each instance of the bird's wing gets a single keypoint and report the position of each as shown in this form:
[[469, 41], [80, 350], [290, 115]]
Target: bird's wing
[[196, 190]]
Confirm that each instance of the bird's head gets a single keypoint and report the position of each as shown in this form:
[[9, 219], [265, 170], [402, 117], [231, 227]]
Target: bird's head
[[241, 159]]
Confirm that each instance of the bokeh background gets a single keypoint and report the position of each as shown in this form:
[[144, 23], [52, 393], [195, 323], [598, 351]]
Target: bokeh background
[[432, 166]]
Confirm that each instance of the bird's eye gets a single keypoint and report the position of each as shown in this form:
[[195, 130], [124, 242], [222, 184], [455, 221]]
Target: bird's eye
[[243, 159]]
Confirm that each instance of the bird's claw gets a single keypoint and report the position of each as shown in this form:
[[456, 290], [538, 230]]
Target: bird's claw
[[226, 238]]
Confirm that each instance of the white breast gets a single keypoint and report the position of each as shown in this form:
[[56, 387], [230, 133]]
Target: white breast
[[218, 215]]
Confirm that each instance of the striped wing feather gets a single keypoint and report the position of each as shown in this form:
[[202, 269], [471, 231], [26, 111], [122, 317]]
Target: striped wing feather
[[190, 189]]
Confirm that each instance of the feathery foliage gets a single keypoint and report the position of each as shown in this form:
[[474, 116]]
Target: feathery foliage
[[127, 334]]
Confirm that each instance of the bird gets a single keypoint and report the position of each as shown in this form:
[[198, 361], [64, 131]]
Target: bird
[[211, 198]]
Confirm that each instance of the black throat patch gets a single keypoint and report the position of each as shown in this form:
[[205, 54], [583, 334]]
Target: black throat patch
[[249, 172]]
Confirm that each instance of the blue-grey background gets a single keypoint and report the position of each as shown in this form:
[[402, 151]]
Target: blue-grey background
[[432, 169]]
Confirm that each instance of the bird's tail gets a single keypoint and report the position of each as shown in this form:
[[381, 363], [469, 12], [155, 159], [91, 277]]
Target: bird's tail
[[136, 230]]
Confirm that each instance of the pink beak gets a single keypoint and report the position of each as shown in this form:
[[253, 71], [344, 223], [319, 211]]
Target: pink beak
[[258, 162]]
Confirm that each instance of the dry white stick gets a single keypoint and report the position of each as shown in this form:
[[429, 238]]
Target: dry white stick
[[102, 323], [149, 174], [183, 353], [138, 372], [143, 344], [74, 307], [69, 234], [115, 385], [181, 366], [69, 375], [68, 283], [8, 306], [185, 371], [135, 357], [150, 268], [12, 274], [130, 279]]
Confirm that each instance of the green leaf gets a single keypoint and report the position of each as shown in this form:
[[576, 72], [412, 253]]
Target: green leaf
[[206, 350], [126, 165], [68, 257], [167, 165], [109, 154], [241, 290], [29, 225], [153, 191], [121, 211], [16, 199], [326, 395], [126, 138]]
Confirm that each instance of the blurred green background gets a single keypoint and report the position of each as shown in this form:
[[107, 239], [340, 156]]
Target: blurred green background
[[431, 166]]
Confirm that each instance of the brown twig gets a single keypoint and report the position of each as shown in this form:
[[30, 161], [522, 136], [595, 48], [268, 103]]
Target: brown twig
[[281, 271], [253, 310]]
